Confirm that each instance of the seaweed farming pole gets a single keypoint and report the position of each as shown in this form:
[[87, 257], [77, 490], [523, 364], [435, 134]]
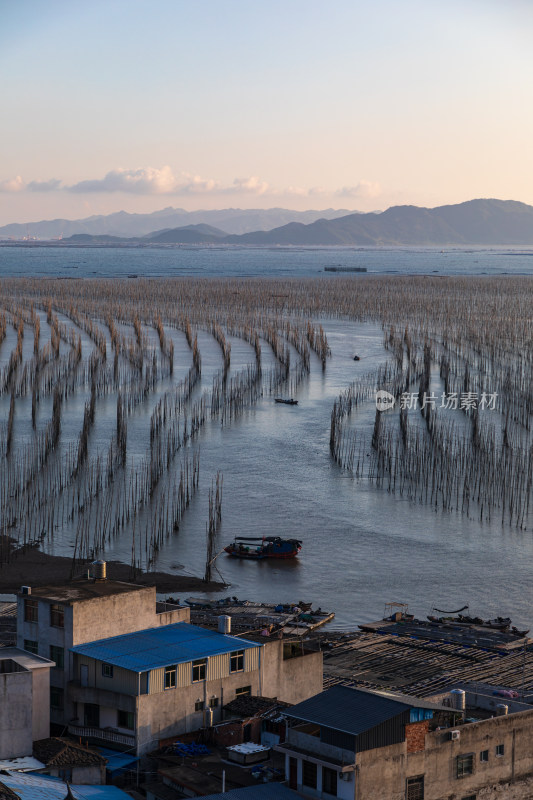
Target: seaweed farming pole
[[213, 525]]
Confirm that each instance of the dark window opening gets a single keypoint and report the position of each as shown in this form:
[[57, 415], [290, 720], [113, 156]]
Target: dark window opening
[[31, 646], [243, 691], [484, 755], [309, 773], [31, 611], [329, 781], [107, 670], [199, 669], [57, 616], [125, 719], [56, 698], [414, 788], [199, 705], [236, 663], [57, 654], [465, 765], [170, 677]]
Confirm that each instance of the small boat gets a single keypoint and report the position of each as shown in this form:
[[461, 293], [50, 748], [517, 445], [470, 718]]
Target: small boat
[[357, 358], [288, 402], [257, 547]]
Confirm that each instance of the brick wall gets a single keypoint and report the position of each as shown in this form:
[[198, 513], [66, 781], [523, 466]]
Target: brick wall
[[415, 735]]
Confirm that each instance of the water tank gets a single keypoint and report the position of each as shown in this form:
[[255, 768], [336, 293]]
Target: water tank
[[224, 624], [100, 570], [458, 698], [502, 709]]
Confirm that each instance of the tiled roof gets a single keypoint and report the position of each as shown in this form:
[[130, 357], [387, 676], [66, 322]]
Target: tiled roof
[[249, 706], [158, 647], [7, 794], [58, 752]]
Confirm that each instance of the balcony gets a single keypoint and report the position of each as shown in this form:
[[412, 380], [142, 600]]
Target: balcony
[[103, 735]]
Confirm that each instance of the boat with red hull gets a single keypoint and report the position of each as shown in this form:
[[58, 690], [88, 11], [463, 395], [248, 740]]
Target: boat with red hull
[[258, 547]]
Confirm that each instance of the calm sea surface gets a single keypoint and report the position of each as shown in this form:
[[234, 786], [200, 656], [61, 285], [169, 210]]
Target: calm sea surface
[[362, 546]]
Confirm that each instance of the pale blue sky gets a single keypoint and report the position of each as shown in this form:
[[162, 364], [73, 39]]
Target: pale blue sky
[[305, 104]]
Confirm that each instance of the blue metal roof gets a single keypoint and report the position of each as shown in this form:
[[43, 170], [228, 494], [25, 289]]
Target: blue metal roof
[[263, 791], [159, 647], [39, 787]]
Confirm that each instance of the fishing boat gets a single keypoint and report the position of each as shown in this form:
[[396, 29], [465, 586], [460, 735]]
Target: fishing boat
[[288, 402], [257, 547]]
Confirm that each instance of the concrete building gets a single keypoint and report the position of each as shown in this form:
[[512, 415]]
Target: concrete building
[[362, 745], [24, 701], [139, 689], [53, 619]]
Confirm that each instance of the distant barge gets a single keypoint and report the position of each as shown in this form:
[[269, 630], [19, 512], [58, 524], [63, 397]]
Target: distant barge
[[345, 269]]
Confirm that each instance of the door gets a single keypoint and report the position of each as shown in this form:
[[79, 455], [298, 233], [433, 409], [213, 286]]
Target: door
[[84, 675], [293, 773], [91, 715]]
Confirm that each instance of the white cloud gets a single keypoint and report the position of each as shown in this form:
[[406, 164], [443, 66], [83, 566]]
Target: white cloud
[[146, 180], [12, 185], [366, 189], [252, 185]]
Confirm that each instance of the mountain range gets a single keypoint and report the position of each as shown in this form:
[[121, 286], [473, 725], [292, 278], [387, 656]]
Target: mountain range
[[482, 222], [229, 220]]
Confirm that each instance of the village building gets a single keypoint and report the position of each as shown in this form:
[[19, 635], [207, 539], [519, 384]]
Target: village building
[[139, 689], [363, 745], [53, 619], [24, 701]]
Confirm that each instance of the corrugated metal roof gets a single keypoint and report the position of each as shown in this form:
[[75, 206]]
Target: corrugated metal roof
[[347, 710], [33, 787], [263, 791], [159, 647]]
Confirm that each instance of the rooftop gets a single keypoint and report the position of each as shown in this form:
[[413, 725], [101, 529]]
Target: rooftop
[[80, 590], [158, 647], [59, 752], [354, 711], [252, 705], [39, 787], [23, 659]]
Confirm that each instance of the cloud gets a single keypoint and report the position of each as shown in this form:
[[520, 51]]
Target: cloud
[[164, 181], [44, 186], [133, 181], [12, 185], [365, 189]]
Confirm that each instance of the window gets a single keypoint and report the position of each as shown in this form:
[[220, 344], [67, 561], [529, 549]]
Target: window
[[500, 749], [213, 703], [57, 654], [329, 781], [198, 670], [57, 616], [199, 705], [465, 765], [56, 698], [170, 677], [236, 663], [309, 774], [31, 611], [243, 691], [484, 755], [107, 670], [31, 646], [125, 719], [91, 715], [414, 788]]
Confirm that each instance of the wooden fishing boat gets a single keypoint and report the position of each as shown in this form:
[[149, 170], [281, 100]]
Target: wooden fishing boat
[[258, 547], [288, 402]]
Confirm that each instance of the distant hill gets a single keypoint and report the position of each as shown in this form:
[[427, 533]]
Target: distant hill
[[193, 234], [476, 222], [230, 220]]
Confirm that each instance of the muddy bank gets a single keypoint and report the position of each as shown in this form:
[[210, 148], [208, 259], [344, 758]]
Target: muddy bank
[[30, 567]]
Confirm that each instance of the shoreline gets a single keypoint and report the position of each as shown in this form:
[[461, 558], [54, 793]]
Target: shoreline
[[29, 566]]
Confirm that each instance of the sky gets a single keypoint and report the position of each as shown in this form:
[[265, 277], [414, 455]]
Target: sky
[[134, 105]]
